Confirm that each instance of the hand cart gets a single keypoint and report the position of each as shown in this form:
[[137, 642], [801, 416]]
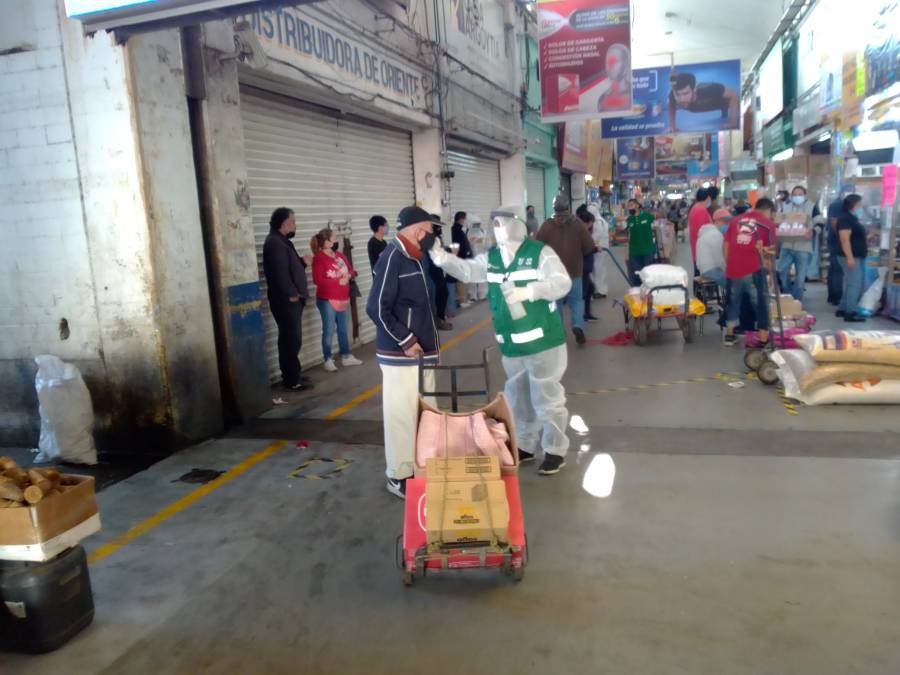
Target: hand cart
[[641, 310], [415, 557], [759, 359]]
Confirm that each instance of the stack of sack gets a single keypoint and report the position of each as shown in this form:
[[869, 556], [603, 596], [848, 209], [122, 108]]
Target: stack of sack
[[843, 366], [654, 276]]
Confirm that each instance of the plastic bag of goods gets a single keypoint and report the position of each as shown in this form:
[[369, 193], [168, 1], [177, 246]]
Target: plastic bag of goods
[[67, 414], [813, 383], [853, 346], [868, 303], [654, 276]]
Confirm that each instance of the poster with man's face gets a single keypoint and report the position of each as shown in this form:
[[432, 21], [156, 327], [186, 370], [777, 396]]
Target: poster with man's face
[[693, 98]]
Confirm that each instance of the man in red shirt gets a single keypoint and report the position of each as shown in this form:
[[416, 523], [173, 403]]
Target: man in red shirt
[[750, 237], [697, 218]]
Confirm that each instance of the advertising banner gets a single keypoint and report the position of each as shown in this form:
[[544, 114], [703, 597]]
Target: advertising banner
[[635, 158], [576, 140], [694, 156], [882, 56], [585, 58], [700, 97]]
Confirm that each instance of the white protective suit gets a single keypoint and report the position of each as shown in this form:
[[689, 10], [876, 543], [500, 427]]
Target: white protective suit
[[601, 240], [533, 383]]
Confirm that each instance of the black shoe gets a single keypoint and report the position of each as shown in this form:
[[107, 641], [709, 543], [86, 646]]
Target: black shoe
[[397, 487], [840, 313], [525, 456], [854, 318], [579, 336], [551, 465], [300, 386], [730, 340], [591, 318], [443, 324]]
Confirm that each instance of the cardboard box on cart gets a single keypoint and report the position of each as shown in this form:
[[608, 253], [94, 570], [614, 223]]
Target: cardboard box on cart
[[56, 523], [497, 409], [465, 501]]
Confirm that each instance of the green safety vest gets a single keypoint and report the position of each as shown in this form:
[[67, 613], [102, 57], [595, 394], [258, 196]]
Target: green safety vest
[[542, 327]]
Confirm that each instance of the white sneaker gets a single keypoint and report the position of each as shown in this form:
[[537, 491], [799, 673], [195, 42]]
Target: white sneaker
[[465, 305], [330, 366], [350, 361]]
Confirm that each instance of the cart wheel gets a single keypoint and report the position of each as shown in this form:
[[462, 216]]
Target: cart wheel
[[754, 358], [641, 329], [689, 328], [408, 579], [768, 372]]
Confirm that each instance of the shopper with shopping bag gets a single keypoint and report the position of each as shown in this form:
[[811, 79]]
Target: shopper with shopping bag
[[525, 280]]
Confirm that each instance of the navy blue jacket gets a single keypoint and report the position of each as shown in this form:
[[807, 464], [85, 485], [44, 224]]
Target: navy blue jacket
[[400, 307]]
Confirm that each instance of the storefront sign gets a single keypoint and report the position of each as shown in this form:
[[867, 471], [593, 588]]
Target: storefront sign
[[831, 81], [315, 49], [635, 158], [700, 97], [585, 58], [889, 185], [475, 36], [778, 136]]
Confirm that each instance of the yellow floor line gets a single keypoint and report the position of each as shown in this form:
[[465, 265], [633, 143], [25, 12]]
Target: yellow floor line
[[366, 395], [176, 507]]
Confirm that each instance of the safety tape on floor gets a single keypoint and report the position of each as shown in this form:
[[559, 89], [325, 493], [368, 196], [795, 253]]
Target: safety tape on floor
[[790, 405]]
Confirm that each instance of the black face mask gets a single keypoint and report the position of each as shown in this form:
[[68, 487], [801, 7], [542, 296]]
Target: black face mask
[[427, 242], [334, 246], [290, 235], [632, 211]]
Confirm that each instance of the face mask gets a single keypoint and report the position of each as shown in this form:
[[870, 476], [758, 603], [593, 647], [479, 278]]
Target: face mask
[[427, 242], [334, 246], [858, 212], [501, 236], [798, 199], [290, 235], [632, 211]]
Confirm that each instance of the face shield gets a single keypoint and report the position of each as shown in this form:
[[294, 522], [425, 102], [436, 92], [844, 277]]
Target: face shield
[[508, 226]]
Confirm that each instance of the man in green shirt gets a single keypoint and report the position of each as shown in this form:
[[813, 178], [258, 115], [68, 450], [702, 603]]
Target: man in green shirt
[[640, 239]]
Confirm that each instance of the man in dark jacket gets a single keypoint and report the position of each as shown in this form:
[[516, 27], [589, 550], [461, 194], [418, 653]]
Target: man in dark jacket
[[571, 241], [286, 290], [461, 239], [400, 307], [377, 244], [438, 279]]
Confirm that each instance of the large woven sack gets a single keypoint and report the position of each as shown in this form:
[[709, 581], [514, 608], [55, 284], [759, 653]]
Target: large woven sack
[[853, 346]]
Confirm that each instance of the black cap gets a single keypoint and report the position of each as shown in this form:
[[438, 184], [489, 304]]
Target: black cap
[[412, 215]]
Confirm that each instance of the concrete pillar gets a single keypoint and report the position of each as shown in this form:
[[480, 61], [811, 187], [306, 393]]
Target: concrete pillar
[[512, 180], [427, 167]]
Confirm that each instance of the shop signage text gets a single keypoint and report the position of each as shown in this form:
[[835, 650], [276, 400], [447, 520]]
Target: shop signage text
[[311, 40]]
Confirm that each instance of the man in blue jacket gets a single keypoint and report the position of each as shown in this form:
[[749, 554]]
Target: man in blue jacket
[[400, 307]]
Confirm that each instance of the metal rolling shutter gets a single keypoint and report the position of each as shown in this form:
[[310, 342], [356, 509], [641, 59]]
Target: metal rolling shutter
[[534, 183], [326, 168], [475, 186]]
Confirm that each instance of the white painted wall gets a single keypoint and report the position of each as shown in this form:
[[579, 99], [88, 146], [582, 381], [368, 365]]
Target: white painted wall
[[512, 180], [427, 168]]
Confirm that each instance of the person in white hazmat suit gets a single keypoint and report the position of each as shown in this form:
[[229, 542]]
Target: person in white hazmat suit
[[525, 280], [601, 241]]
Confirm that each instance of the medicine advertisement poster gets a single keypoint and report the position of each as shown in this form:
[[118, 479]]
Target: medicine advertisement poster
[[692, 98], [585, 59]]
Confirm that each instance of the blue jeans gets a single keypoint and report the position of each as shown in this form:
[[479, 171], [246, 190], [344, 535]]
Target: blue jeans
[[575, 302], [451, 298], [754, 287], [637, 263], [835, 277], [717, 274], [853, 285], [800, 260], [331, 318]]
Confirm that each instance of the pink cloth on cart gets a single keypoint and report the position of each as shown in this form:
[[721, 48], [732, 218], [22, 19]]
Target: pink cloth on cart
[[752, 341], [461, 436]]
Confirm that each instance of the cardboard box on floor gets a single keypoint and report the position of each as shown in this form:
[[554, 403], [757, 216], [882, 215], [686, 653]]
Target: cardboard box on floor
[[26, 531], [497, 409], [789, 307], [466, 512], [454, 469]]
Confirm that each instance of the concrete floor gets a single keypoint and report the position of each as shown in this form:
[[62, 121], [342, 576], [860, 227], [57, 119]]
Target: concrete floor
[[737, 539]]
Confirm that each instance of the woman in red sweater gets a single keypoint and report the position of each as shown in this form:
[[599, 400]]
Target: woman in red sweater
[[332, 273]]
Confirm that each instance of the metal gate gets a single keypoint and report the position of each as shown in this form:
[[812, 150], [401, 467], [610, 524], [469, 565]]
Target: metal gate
[[475, 186], [329, 169]]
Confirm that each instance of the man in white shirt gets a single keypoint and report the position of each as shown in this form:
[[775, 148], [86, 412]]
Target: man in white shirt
[[601, 240], [710, 258]]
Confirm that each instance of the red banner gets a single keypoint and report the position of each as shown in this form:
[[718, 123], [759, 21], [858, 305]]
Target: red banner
[[585, 58]]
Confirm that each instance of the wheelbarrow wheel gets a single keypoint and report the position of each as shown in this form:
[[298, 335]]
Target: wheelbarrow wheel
[[768, 372], [754, 358], [641, 330]]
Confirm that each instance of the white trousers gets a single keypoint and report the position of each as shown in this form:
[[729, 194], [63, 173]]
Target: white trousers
[[598, 276], [478, 291], [400, 396], [538, 400]]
